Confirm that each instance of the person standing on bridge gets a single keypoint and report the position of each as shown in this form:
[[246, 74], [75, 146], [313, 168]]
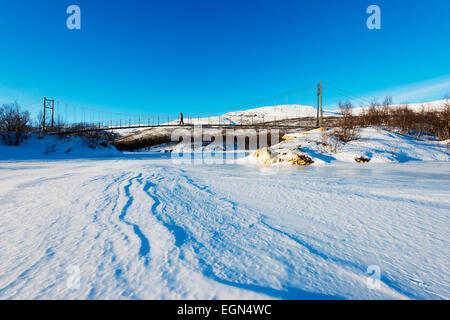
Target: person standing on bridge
[[181, 119]]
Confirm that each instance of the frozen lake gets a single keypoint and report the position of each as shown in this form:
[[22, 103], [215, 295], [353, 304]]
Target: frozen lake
[[139, 226]]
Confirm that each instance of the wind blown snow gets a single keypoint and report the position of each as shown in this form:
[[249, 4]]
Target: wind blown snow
[[139, 226]]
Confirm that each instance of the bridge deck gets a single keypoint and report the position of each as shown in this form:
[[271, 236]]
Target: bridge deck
[[211, 126]]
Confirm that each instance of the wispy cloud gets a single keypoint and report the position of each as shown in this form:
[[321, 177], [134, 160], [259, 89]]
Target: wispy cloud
[[424, 91]]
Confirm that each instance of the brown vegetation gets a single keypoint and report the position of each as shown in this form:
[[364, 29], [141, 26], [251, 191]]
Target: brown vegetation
[[91, 138], [347, 125], [401, 118]]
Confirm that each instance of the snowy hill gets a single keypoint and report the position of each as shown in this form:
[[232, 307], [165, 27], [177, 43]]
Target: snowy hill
[[376, 144], [54, 147], [275, 113], [246, 117], [268, 114], [427, 106], [281, 112]]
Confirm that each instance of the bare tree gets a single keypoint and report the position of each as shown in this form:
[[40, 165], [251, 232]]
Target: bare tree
[[444, 115], [346, 127], [40, 119], [402, 118], [386, 111], [13, 124], [374, 114]]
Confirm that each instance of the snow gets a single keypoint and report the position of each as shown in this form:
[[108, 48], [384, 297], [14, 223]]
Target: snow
[[293, 111], [375, 143], [141, 226], [54, 147], [274, 113], [245, 117], [417, 107], [268, 114], [280, 112]]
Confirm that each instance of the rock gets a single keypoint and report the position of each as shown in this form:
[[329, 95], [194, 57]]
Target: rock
[[362, 160], [295, 159], [302, 160], [264, 155]]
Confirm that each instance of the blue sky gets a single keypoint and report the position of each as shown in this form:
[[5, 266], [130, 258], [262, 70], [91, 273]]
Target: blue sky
[[213, 56]]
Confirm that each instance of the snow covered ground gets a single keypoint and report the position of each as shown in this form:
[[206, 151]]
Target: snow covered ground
[[374, 143], [54, 147], [141, 226]]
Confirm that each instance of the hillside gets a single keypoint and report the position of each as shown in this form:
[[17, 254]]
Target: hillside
[[375, 144], [54, 147], [281, 114]]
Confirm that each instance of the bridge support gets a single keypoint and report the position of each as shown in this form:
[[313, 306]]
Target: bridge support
[[319, 105], [48, 104]]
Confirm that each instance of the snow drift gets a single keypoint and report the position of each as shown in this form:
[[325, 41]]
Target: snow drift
[[374, 143], [54, 147]]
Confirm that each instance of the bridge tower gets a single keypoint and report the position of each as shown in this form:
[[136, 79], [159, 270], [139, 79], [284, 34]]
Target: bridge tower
[[48, 104], [319, 104]]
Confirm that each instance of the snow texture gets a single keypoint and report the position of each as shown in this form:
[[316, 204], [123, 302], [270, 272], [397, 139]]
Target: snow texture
[[374, 143], [139, 226]]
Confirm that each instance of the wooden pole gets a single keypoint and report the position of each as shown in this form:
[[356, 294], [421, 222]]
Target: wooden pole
[[321, 106], [53, 111], [318, 106], [43, 120]]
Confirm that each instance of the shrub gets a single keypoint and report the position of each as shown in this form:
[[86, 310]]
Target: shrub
[[346, 126], [329, 143], [443, 123], [404, 119], [385, 112], [13, 124], [94, 139]]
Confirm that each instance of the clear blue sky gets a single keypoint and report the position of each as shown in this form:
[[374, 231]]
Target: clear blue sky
[[209, 56]]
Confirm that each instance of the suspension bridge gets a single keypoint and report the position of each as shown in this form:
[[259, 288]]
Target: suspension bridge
[[299, 108]]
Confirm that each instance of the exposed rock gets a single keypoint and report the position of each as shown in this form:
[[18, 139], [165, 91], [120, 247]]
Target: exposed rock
[[302, 160], [264, 155], [362, 160]]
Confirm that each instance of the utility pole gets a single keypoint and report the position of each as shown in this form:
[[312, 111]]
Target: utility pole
[[48, 104], [53, 113], [43, 119], [319, 105]]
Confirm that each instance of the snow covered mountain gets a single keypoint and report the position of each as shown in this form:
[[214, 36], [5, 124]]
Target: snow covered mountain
[[427, 106], [277, 113]]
